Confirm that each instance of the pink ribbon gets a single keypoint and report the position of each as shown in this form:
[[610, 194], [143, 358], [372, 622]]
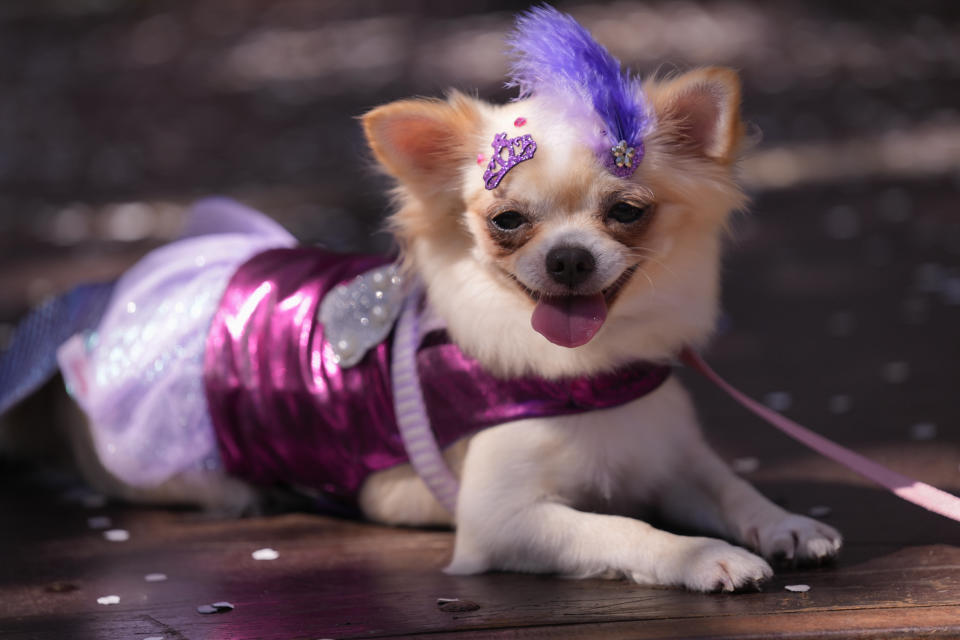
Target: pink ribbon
[[919, 493]]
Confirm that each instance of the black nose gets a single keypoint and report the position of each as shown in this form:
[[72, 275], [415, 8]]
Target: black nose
[[570, 266]]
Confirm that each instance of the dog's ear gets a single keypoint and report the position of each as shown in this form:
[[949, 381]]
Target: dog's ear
[[700, 110], [423, 142]]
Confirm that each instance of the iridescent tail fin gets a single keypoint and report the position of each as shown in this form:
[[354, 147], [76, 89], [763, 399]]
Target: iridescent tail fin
[[31, 358]]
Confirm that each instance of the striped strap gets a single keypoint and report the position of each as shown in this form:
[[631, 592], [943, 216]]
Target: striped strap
[[411, 411], [907, 488]]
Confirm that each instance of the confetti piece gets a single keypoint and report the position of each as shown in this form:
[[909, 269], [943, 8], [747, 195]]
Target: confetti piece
[[745, 465], [896, 372], [840, 403], [216, 607], [116, 535], [155, 577], [154, 638], [265, 554], [798, 588], [923, 431], [108, 600], [778, 400], [456, 605], [99, 522], [819, 511]]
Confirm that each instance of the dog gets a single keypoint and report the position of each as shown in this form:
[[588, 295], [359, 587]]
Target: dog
[[589, 240]]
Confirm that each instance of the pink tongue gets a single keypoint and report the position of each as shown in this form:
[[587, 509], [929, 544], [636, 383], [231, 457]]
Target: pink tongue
[[569, 321]]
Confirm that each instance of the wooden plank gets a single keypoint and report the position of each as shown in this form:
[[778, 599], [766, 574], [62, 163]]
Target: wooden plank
[[344, 579], [872, 624]]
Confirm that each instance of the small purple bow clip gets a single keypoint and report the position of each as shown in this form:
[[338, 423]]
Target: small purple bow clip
[[516, 150]]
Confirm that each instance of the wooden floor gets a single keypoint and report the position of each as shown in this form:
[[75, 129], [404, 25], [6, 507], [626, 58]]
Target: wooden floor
[[899, 576]]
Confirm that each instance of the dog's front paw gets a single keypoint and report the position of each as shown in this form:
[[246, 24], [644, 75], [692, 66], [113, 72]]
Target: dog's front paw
[[795, 539], [706, 564]]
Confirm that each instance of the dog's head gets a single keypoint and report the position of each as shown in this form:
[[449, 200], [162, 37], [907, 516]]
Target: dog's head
[[562, 261]]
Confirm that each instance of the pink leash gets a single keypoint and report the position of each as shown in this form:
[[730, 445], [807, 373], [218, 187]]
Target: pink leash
[[918, 493]]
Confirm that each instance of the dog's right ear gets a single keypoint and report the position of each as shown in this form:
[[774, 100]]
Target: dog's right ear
[[423, 142]]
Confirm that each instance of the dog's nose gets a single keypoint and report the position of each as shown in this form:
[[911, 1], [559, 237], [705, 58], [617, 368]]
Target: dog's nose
[[570, 266]]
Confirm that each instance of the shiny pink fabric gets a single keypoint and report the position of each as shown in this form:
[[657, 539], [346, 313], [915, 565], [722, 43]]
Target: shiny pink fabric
[[283, 412]]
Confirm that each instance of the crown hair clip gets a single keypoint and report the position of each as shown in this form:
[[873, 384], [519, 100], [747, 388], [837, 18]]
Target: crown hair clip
[[507, 153]]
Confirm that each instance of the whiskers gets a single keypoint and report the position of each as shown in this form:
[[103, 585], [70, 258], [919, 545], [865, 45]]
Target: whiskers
[[643, 255]]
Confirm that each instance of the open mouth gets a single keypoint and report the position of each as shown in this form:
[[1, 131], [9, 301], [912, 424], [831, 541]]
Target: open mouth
[[573, 320]]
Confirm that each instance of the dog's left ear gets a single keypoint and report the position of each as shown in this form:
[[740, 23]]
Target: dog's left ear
[[700, 110], [423, 142]]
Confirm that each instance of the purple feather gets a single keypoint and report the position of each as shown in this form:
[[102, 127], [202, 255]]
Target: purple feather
[[554, 56]]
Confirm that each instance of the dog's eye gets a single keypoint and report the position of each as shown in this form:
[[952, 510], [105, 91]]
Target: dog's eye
[[508, 220], [626, 213]]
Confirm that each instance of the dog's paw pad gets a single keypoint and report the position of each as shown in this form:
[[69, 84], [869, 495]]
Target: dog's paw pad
[[713, 565], [796, 539]]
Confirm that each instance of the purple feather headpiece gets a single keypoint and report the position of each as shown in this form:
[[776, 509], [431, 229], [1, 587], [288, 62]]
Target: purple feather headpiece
[[555, 57]]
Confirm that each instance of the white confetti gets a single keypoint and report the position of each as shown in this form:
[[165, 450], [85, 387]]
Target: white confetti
[[99, 522], [265, 554], [745, 465], [840, 403], [798, 588], [155, 577], [819, 511], [108, 600], [154, 638], [896, 372], [778, 400], [923, 431], [116, 535]]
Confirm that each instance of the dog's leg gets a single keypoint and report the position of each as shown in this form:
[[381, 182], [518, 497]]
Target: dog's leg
[[510, 516], [711, 497], [398, 496], [214, 491]]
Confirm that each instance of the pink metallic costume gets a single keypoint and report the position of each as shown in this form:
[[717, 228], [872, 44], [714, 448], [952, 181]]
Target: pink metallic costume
[[285, 411]]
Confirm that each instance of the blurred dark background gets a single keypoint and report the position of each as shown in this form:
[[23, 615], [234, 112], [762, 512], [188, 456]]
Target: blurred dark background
[[842, 286]]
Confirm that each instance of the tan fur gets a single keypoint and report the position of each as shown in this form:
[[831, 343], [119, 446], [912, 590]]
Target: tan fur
[[561, 495]]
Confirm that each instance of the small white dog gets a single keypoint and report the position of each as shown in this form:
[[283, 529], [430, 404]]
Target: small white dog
[[590, 241]]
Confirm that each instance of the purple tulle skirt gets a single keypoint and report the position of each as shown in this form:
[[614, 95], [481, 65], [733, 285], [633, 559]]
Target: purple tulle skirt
[[139, 375]]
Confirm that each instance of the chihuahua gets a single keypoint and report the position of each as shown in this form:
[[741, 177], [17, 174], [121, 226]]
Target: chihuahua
[[563, 236]]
